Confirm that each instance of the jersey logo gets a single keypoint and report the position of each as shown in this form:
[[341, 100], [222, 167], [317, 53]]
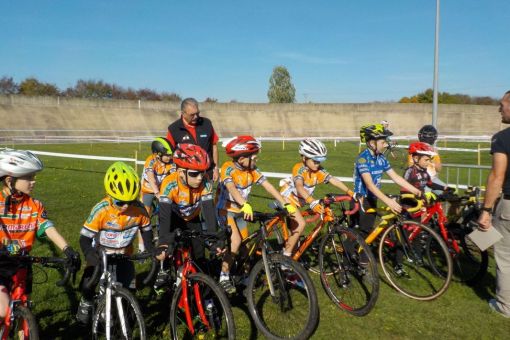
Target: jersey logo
[[203, 136], [362, 160]]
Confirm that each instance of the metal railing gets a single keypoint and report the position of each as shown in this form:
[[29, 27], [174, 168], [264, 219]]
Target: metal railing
[[466, 174]]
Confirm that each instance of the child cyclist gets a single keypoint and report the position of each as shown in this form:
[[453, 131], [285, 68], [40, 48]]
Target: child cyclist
[[369, 168], [157, 166], [112, 224], [22, 218], [236, 180], [307, 174], [186, 202]]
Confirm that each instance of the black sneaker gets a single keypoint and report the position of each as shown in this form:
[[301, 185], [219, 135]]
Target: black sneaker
[[227, 286], [84, 313], [400, 271]]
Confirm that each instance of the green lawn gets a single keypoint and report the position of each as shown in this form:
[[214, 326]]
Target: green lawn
[[69, 188]]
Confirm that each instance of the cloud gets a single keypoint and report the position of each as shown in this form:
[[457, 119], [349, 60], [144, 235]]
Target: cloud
[[307, 59]]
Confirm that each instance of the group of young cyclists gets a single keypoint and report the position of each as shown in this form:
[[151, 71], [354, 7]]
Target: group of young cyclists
[[176, 178]]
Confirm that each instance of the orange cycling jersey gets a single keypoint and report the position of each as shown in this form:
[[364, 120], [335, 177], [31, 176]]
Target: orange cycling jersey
[[243, 181], [185, 200], [113, 229], [310, 180], [24, 220], [160, 171]]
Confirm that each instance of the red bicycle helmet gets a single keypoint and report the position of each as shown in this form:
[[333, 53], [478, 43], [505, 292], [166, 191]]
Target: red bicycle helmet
[[242, 146], [420, 148], [192, 157]]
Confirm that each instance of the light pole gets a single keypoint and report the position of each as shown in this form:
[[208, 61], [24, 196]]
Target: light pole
[[436, 68]]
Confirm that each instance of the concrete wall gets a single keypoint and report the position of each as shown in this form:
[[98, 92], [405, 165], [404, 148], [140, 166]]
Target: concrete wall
[[56, 116]]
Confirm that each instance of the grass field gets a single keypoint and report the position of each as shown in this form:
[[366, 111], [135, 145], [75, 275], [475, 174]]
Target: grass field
[[70, 187]]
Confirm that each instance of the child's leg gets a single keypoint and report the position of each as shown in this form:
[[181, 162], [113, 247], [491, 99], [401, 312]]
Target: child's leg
[[297, 225], [239, 232], [147, 203], [4, 301]]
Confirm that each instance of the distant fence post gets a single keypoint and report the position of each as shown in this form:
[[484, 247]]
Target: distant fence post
[[136, 160], [479, 155], [139, 104], [283, 143]]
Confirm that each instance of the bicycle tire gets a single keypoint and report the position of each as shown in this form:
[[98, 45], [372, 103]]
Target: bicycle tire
[[295, 302], [132, 312], [220, 314], [420, 260], [351, 285], [470, 263], [24, 325]]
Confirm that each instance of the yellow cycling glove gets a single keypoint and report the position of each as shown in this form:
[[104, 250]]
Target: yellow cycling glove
[[429, 197], [290, 208], [247, 209]]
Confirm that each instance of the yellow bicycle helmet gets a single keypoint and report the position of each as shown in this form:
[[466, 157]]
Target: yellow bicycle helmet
[[121, 182], [373, 131]]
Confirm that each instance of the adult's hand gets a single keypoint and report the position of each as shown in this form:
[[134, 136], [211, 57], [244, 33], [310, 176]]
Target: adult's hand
[[484, 221]]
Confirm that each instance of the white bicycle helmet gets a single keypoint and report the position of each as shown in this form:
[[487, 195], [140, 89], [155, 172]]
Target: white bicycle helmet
[[18, 163], [314, 149]]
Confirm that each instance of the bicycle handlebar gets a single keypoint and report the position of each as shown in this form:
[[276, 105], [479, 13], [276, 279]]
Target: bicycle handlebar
[[336, 198], [89, 283], [263, 217], [46, 262]]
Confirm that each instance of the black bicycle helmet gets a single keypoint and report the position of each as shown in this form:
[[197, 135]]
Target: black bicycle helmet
[[427, 134]]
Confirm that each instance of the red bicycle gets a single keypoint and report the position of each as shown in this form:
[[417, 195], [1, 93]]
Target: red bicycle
[[469, 262], [20, 322], [199, 308]]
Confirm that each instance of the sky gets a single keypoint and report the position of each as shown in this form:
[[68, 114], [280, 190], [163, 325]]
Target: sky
[[336, 51]]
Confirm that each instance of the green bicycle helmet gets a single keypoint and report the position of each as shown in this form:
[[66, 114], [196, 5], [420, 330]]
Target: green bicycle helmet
[[121, 182], [373, 131]]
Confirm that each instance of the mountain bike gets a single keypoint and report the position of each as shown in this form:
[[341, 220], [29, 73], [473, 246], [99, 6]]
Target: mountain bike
[[410, 253], [20, 322], [116, 313], [347, 267], [469, 262], [199, 307]]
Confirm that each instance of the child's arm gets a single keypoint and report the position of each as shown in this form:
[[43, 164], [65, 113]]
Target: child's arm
[[152, 182], [276, 194], [340, 185], [236, 195], [392, 204], [314, 204], [403, 183], [56, 238]]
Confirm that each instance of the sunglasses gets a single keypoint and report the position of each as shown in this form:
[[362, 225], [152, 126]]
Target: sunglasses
[[122, 203], [195, 174]]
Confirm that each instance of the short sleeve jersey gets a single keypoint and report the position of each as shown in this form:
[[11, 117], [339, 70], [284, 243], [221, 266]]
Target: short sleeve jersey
[[243, 181], [185, 200], [113, 229], [367, 163], [25, 219], [501, 144], [158, 168], [310, 180]]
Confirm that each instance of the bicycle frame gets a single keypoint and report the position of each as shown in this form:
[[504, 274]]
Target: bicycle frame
[[17, 296], [437, 209], [184, 264]]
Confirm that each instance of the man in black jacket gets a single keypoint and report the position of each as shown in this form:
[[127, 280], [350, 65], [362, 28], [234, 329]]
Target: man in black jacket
[[194, 129]]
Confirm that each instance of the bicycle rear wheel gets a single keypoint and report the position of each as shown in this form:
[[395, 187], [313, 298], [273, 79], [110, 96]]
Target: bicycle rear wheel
[[24, 325], [216, 321], [349, 271], [293, 311], [469, 262], [411, 254], [126, 321]]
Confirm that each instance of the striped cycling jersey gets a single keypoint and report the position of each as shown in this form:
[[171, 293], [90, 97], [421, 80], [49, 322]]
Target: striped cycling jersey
[[160, 171], [243, 180], [184, 199], [376, 166], [113, 229], [310, 180], [25, 219]]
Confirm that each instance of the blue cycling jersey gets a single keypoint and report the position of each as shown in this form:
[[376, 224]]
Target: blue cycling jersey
[[376, 166]]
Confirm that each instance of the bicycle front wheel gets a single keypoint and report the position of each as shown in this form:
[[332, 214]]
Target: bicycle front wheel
[[126, 320], [349, 271], [291, 310], [203, 313], [410, 254], [23, 326]]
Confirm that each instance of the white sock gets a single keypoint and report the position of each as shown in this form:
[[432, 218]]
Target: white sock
[[224, 276], [285, 253]]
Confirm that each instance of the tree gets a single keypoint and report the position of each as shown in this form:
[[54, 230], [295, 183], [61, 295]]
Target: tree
[[8, 86], [281, 89], [448, 98], [33, 87], [210, 100]]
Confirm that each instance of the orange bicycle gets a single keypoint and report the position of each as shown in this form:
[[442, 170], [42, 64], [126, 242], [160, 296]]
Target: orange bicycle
[[347, 267]]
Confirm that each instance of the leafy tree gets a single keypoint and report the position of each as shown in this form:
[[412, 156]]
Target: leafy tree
[[448, 98], [33, 87], [170, 97], [8, 86], [281, 89], [210, 100]]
